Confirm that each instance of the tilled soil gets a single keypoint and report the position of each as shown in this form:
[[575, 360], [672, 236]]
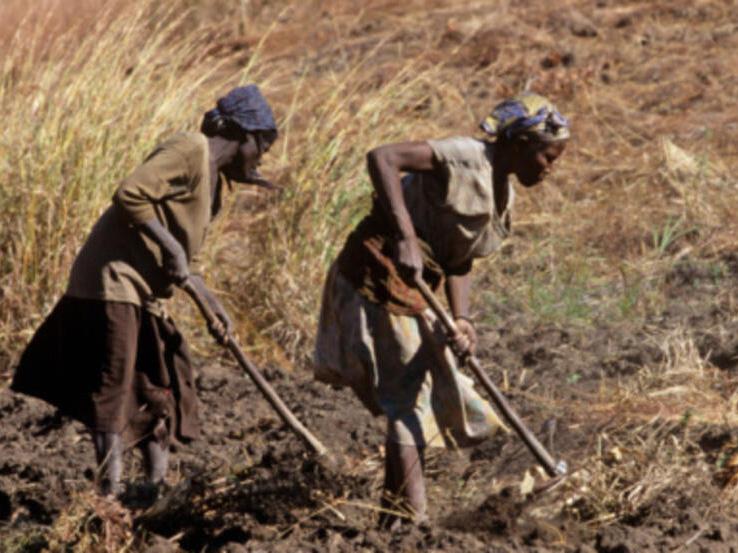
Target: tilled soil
[[249, 484]]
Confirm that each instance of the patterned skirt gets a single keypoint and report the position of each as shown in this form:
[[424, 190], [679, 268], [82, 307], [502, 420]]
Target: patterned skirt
[[399, 366]]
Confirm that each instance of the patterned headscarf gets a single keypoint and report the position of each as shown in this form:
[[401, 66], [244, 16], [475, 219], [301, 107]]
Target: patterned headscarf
[[527, 114], [243, 107]]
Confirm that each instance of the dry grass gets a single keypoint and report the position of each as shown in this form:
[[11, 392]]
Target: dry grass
[[646, 181], [648, 453], [79, 116], [658, 443], [655, 170]]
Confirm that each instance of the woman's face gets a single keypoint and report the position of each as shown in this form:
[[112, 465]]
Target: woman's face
[[244, 166], [534, 161]]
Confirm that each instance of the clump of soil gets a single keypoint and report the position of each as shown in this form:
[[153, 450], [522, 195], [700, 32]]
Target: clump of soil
[[498, 514]]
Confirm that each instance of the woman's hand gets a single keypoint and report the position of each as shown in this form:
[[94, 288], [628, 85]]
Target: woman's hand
[[465, 341], [457, 290], [174, 263], [174, 259], [220, 329], [410, 257]]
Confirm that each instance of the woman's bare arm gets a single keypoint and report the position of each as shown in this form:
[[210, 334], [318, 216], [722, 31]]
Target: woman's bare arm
[[457, 291], [385, 165]]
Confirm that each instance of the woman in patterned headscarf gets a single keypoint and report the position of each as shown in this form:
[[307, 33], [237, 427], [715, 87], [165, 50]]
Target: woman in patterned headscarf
[[376, 333], [107, 355]]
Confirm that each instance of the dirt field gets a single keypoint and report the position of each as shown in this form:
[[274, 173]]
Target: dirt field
[[250, 486], [609, 320]]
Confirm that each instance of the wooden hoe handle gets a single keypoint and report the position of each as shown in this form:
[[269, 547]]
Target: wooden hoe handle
[[551, 466], [264, 387]]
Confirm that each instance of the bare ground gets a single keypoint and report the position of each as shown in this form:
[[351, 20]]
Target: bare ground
[[250, 486]]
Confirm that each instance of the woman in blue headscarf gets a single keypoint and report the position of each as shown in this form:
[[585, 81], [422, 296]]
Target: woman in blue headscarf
[[376, 333], [108, 355]]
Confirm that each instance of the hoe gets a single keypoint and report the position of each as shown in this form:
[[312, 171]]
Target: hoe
[[264, 387], [557, 470]]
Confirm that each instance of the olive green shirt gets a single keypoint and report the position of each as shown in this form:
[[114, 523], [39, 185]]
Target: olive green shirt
[[118, 263]]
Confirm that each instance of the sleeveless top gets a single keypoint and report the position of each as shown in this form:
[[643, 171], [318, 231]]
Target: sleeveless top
[[455, 215]]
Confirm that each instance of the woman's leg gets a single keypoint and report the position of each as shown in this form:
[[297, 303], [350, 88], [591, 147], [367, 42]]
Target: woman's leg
[[156, 454], [156, 461], [113, 393], [391, 487], [404, 488], [109, 454]]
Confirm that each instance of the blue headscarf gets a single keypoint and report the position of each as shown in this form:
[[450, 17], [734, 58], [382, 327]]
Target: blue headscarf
[[243, 107], [529, 114]]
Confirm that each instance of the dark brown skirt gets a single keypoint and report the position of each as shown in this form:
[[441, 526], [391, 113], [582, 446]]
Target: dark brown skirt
[[112, 366]]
